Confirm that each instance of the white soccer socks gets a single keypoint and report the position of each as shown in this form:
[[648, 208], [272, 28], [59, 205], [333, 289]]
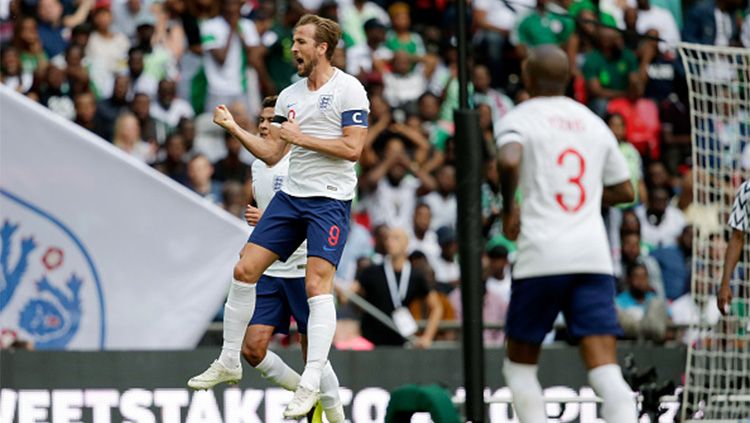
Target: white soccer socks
[[619, 403], [274, 369], [237, 313], [528, 399], [321, 326]]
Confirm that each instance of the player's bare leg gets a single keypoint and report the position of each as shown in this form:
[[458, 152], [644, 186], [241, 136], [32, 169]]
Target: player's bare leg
[[519, 370], [238, 310], [321, 326], [600, 357]]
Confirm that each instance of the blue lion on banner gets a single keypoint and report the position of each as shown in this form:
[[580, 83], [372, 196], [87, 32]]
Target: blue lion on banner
[[53, 324], [12, 277]]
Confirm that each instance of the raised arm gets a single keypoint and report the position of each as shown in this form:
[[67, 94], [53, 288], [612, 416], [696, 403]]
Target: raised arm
[[270, 150], [347, 147]]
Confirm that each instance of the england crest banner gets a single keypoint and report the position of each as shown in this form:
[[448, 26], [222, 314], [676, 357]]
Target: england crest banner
[[98, 250]]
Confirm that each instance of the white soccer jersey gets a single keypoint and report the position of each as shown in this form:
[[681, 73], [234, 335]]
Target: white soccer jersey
[[740, 217], [231, 77], [266, 182], [569, 155], [340, 102]]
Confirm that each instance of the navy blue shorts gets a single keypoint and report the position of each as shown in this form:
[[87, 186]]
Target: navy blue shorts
[[586, 300], [288, 221], [277, 300]]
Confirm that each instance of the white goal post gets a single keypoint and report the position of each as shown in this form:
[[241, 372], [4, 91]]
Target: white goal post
[[717, 385]]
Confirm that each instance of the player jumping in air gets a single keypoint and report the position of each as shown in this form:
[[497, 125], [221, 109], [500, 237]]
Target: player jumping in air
[[325, 120], [739, 221], [567, 163], [280, 293]]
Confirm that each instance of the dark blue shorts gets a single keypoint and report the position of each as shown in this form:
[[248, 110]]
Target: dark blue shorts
[[586, 300], [288, 221], [279, 299]]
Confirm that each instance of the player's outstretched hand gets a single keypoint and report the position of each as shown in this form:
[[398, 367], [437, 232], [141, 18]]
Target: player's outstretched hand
[[724, 299], [290, 131], [252, 215], [223, 117], [512, 223]]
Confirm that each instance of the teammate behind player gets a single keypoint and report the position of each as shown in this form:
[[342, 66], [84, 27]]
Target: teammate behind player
[[739, 221], [326, 123], [567, 163]]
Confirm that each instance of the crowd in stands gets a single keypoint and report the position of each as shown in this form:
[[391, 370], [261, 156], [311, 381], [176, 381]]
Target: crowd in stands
[[146, 74]]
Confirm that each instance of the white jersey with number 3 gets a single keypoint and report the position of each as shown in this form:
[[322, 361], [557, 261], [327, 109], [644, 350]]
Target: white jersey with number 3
[[266, 182], [323, 113], [569, 155]]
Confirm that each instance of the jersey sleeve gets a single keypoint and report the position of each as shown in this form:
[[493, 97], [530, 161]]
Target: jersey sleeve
[[740, 217], [280, 109], [355, 106], [511, 129], [212, 35], [615, 166]]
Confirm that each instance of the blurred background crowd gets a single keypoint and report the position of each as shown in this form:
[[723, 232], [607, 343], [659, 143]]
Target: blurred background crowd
[[146, 74]]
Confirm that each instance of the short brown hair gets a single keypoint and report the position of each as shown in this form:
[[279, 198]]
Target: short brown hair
[[326, 31], [270, 101]]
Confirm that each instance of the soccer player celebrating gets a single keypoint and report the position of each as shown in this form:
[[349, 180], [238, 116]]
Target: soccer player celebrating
[[567, 163], [280, 294], [325, 119], [739, 221]]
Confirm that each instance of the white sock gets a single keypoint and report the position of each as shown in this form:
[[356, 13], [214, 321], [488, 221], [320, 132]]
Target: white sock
[[528, 399], [321, 326], [619, 402], [274, 369], [329, 388], [237, 313]]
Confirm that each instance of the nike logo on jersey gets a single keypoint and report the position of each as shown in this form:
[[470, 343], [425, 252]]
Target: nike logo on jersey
[[329, 249]]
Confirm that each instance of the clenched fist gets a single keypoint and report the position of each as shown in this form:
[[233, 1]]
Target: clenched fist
[[223, 117]]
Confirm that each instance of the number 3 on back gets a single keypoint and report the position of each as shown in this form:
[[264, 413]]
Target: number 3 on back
[[575, 180]]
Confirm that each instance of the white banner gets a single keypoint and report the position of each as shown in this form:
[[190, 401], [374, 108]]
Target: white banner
[[98, 250]]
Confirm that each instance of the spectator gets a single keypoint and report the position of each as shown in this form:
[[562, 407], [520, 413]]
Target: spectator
[[86, 115], [447, 272], [127, 137], [199, 173], [126, 14], [548, 23], [12, 74], [401, 38], [56, 93], [76, 71], [711, 22], [106, 49], [492, 200], [657, 68], [499, 103], [278, 42], [611, 71], [224, 39], [616, 124], [372, 55], [108, 110], [495, 298], [661, 222], [391, 287], [231, 168], [186, 128], [393, 189], [29, 45], [141, 108], [167, 110], [354, 18], [494, 20], [142, 82], [675, 262], [443, 200], [404, 84], [174, 164], [422, 237], [634, 253], [640, 311], [653, 17], [52, 24], [233, 198], [658, 177]]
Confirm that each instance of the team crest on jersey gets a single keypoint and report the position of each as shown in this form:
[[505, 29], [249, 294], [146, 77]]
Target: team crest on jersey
[[278, 182], [50, 291], [324, 102]]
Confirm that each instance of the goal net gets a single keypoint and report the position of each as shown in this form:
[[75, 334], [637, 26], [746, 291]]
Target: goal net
[[717, 385]]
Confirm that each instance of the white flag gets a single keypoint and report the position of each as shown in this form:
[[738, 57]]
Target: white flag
[[99, 251]]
